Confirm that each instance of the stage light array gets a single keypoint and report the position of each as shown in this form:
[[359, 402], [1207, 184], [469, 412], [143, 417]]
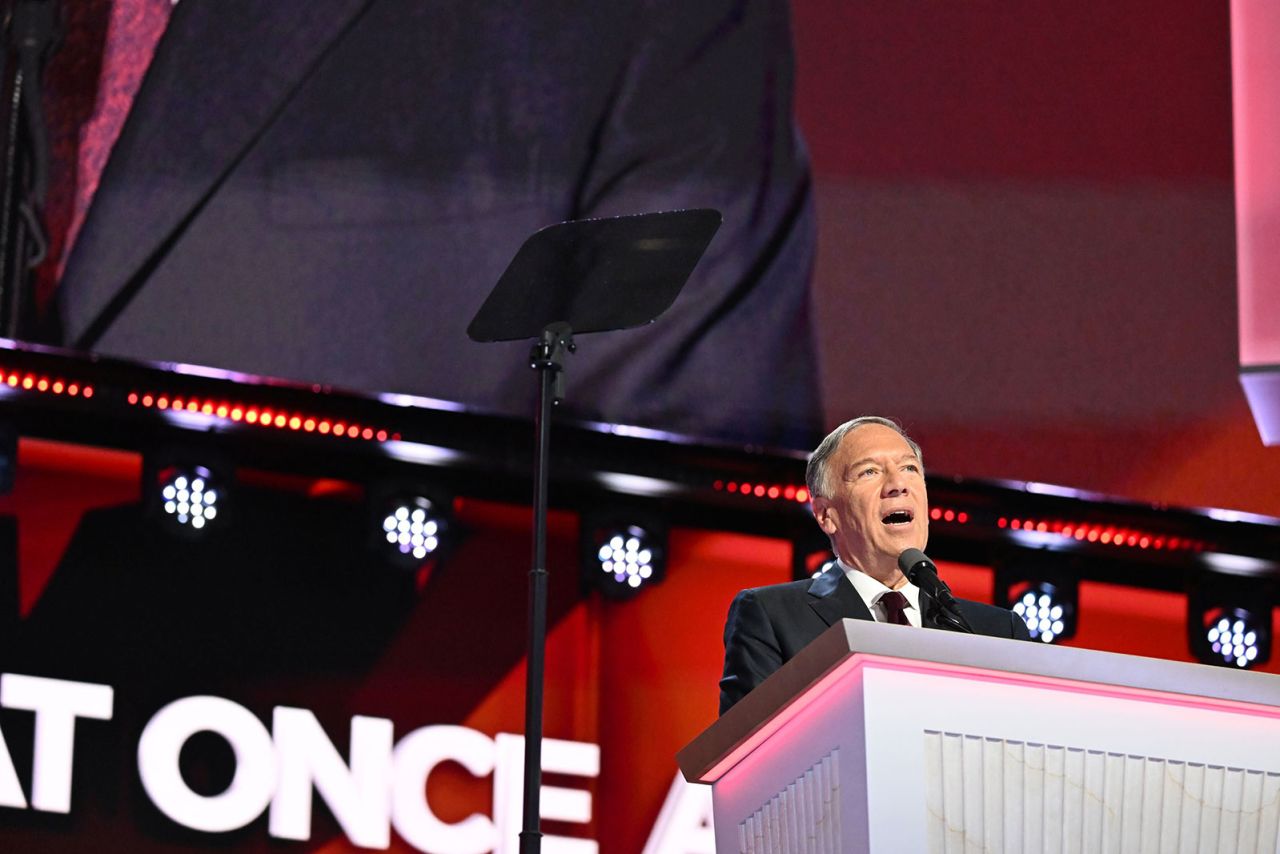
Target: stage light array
[[621, 557], [627, 557], [1229, 619], [1042, 589], [413, 527], [1044, 612], [1235, 636], [189, 496]]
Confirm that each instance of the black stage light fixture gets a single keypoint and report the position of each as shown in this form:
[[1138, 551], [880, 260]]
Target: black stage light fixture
[[811, 553], [409, 524], [1229, 619], [1046, 609], [1042, 590], [1236, 636], [622, 553], [187, 492]]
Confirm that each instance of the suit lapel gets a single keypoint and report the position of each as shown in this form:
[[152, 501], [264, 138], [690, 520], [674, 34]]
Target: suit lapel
[[221, 73], [832, 596]]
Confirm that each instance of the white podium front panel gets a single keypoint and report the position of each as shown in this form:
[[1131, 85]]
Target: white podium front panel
[[958, 762], [886, 738], [988, 794], [928, 756]]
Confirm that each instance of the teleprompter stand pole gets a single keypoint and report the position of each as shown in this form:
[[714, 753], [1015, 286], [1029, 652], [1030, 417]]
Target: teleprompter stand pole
[[547, 357], [575, 278]]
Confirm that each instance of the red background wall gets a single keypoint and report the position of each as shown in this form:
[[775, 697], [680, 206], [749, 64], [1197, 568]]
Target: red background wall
[[1026, 243]]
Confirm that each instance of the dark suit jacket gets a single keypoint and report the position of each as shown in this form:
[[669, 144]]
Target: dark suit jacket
[[769, 625], [327, 190]]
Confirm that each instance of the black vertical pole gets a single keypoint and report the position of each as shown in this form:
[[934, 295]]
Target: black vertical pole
[[28, 35], [548, 359], [530, 834], [13, 262]]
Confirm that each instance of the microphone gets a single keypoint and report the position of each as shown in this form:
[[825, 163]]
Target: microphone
[[921, 572]]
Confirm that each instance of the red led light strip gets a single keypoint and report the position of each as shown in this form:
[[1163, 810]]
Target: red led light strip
[[41, 384], [774, 491], [1108, 535], [946, 514], [1092, 533], [800, 495], [261, 416]]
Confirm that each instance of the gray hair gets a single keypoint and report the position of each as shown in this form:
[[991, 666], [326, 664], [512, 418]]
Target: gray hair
[[815, 473]]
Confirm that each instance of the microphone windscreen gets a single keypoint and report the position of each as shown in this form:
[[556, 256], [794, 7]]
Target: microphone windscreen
[[910, 558]]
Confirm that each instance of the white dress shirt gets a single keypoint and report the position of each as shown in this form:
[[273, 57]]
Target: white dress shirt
[[871, 590]]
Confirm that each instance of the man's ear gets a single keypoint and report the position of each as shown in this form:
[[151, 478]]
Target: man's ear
[[824, 516]]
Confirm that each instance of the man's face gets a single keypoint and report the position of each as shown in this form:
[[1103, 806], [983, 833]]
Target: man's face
[[877, 506]]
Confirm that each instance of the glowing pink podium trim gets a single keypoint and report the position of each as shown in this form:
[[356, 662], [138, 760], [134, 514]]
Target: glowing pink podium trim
[[858, 661]]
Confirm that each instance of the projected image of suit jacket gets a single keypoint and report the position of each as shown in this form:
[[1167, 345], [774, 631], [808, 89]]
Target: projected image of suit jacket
[[326, 192]]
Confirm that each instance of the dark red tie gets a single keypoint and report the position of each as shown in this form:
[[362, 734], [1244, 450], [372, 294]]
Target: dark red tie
[[895, 608], [92, 80]]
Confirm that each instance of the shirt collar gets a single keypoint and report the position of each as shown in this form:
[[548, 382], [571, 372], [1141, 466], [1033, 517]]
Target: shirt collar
[[870, 590]]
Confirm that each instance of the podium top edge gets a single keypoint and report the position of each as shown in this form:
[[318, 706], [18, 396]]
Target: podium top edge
[[766, 707]]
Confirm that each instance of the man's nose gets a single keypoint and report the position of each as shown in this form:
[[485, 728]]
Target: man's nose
[[895, 483]]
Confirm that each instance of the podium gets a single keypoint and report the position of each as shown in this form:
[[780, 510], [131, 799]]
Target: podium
[[887, 738]]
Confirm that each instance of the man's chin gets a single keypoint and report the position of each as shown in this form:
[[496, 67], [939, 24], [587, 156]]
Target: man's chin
[[906, 539]]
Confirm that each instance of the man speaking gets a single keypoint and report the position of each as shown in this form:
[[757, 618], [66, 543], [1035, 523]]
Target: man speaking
[[866, 480]]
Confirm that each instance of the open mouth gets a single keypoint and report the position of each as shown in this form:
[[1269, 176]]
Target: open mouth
[[898, 517]]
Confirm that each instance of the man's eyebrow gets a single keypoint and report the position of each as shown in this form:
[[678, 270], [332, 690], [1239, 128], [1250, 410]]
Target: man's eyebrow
[[909, 455]]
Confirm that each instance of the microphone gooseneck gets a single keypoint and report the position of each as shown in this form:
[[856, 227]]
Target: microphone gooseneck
[[922, 572]]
